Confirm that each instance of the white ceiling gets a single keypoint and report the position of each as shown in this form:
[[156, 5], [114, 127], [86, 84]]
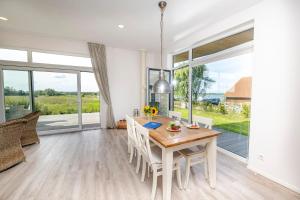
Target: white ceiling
[[97, 20]]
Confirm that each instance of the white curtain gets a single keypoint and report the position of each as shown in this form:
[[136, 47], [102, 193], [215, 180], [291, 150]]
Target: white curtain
[[98, 57]]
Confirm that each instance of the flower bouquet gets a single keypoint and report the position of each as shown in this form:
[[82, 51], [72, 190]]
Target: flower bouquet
[[150, 111]]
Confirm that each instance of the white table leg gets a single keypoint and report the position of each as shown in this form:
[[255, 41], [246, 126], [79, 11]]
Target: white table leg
[[167, 160], [211, 150]]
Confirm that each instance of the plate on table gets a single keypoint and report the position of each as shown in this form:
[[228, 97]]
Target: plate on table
[[190, 126], [173, 130]]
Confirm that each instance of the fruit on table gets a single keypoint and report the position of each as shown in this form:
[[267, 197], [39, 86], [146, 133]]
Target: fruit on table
[[173, 126]]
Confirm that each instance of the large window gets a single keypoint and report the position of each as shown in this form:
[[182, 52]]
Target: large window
[[219, 87], [180, 84]]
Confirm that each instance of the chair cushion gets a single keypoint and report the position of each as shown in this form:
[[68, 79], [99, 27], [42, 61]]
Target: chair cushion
[[193, 150]]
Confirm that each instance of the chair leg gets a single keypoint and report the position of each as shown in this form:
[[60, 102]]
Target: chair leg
[[205, 168], [187, 172], [178, 173], [131, 154], [154, 184], [143, 170], [138, 162], [148, 167]]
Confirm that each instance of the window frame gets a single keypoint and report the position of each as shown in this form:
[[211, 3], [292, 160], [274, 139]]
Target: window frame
[[228, 53]]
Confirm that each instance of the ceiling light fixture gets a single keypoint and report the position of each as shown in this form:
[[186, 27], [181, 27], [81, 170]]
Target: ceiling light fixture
[[121, 26], [161, 86], [3, 18]]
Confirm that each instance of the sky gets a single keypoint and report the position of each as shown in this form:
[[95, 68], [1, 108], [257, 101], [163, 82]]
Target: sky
[[228, 71], [63, 82]]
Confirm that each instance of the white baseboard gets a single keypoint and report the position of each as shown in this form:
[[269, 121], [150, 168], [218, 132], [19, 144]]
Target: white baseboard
[[277, 180], [228, 153]]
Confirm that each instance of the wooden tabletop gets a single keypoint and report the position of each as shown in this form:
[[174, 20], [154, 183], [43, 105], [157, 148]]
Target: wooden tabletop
[[169, 139]]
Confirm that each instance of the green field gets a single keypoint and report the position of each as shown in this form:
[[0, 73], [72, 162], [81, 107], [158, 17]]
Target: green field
[[231, 122], [53, 105]]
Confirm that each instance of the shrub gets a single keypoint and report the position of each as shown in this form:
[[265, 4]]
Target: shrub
[[246, 110], [222, 108]]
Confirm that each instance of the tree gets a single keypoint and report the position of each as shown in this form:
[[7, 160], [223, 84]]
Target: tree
[[200, 83], [181, 89], [50, 92]]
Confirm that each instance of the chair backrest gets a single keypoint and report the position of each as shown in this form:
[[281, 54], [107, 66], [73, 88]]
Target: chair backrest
[[131, 129], [143, 137], [175, 115], [11, 132], [207, 122]]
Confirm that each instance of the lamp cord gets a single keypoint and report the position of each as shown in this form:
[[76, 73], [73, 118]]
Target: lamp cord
[[161, 38]]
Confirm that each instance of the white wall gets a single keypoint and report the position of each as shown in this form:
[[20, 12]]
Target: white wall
[[124, 79], [23, 40], [274, 131], [123, 66], [153, 60]]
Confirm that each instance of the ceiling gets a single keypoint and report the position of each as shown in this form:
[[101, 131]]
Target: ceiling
[[98, 20]]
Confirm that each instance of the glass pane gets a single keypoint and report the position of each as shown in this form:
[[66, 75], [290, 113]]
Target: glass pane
[[161, 100], [90, 99], [47, 58], [55, 96], [181, 91], [222, 91], [13, 55], [16, 94]]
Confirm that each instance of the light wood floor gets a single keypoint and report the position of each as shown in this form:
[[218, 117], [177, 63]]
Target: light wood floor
[[94, 165]]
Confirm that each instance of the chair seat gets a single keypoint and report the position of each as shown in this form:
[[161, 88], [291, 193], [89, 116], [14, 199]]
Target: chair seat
[[192, 151], [157, 157]]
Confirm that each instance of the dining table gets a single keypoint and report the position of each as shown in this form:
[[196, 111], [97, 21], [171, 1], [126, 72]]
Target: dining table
[[169, 142]]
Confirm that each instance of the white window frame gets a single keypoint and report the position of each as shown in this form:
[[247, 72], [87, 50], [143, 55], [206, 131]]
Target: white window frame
[[30, 66], [244, 48]]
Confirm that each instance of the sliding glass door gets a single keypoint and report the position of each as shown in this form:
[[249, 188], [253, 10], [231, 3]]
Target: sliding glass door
[[16, 89], [90, 100], [56, 97], [222, 91], [66, 99]]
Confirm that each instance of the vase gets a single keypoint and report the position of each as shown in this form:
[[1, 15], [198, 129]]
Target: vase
[[150, 118]]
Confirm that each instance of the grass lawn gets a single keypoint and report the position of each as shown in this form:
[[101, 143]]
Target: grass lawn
[[55, 105], [230, 122]]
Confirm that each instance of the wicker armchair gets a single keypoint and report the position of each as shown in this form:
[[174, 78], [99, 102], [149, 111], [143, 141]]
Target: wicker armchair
[[29, 135], [11, 152]]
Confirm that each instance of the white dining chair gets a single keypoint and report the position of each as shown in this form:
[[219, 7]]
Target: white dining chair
[[133, 142], [175, 115], [152, 157], [197, 154]]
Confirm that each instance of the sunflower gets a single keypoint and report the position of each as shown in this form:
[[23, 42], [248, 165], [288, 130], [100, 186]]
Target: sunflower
[[154, 111], [147, 109]]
